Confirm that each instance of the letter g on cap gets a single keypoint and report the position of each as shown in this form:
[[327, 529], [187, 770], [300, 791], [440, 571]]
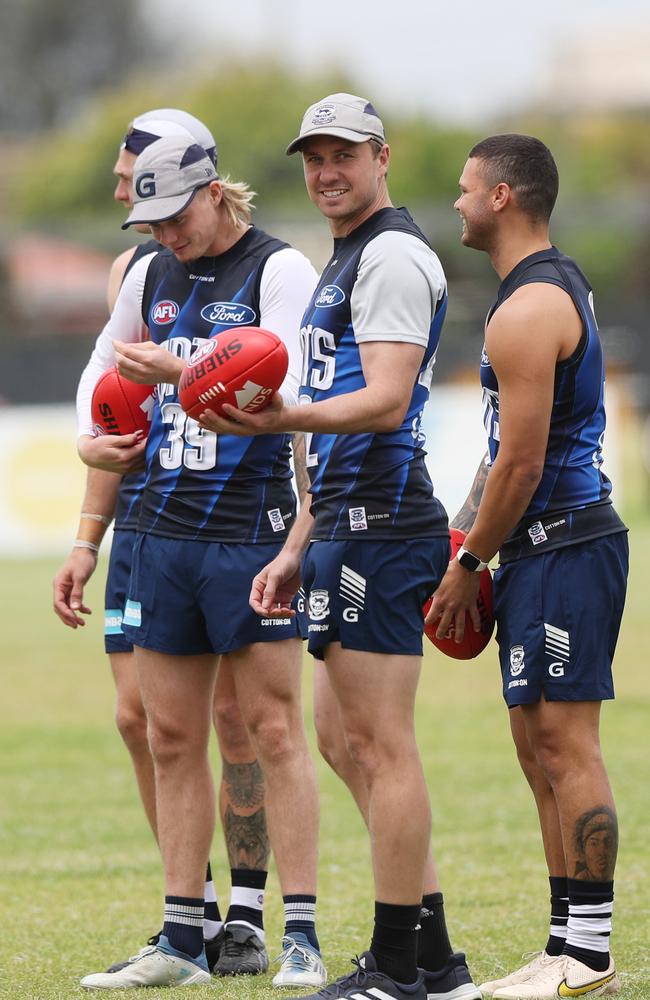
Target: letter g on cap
[[145, 185]]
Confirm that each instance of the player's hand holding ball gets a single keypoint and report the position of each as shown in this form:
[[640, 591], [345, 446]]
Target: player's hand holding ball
[[472, 642], [242, 368]]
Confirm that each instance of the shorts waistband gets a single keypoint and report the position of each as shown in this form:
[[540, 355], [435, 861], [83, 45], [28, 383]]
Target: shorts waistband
[[557, 529]]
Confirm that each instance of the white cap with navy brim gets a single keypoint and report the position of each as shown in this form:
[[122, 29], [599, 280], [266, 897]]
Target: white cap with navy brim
[[166, 176]]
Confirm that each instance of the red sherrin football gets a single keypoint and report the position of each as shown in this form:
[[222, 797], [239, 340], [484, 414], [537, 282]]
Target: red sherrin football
[[120, 406], [242, 366], [473, 642]]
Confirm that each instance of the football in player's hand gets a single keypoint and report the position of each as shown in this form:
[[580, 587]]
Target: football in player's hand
[[243, 366], [121, 407], [473, 642]]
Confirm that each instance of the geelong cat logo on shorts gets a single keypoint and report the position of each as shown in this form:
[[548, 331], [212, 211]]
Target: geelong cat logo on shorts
[[329, 295], [232, 313], [516, 660], [164, 312], [319, 604]]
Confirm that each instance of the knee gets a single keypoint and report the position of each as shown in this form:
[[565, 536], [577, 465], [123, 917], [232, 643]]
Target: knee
[[365, 753], [333, 748], [234, 740], [528, 762], [171, 742], [131, 723], [274, 739]]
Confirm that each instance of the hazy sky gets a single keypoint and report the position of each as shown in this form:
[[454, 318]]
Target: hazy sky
[[462, 60]]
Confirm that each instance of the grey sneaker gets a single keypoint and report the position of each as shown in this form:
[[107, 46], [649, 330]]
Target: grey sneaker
[[242, 954], [156, 965], [300, 964]]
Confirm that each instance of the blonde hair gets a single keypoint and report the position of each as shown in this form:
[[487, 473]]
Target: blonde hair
[[237, 198]]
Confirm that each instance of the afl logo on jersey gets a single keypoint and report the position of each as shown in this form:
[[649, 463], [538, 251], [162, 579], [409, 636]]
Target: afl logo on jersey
[[230, 313], [164, 312], [329, 295]]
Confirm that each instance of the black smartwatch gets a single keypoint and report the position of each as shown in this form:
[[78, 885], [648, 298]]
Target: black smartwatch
[[469, 561]]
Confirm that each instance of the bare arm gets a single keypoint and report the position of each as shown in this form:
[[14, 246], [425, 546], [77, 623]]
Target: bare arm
[[389, 369], [528, 335], [300, 466], [97, 511], [466, 516]]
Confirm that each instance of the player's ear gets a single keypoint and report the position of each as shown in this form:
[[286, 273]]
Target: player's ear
[[501, 196], [215, 191]]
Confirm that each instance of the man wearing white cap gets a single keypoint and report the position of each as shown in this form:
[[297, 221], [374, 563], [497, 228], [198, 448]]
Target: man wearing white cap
[[239, 948], [206, 518], [374, 543]]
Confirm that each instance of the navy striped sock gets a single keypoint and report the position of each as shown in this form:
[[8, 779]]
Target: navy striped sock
[[300, 917], [183, 925]]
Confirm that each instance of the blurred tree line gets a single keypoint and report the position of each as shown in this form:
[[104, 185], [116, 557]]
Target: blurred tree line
[[255, 110], [59, 178]]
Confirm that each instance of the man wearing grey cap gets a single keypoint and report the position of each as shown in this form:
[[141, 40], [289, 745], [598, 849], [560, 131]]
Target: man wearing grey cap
[[374, 543], [108, 495], [215, 256]]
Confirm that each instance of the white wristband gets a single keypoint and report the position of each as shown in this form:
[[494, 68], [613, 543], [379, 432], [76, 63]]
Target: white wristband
[[96, 517], [81, 543]]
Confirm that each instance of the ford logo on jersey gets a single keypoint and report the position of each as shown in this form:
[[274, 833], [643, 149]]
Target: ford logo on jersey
[[164, 312], [230, 313], [330, 295]]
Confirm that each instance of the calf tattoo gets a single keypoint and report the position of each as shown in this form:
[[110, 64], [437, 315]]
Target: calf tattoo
[[244, 784], [596, 845], [247, 838]]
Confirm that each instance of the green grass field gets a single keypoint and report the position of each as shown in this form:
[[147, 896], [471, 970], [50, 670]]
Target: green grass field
[[80, 875]]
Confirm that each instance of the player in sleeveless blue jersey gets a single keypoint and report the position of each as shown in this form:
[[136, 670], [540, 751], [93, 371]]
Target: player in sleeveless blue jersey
[[207, 523], [560, 588], [242, 785], [374, 541]]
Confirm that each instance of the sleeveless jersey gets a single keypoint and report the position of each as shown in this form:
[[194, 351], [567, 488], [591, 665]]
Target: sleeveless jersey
[[367, 485], [199, 485], [571, 502], [127, 508]]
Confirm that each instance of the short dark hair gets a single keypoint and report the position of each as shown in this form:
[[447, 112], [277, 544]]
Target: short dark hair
[[526, 165]]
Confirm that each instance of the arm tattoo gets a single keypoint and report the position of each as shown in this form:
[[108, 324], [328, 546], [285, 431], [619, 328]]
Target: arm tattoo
[[244, 784], [596, 845], [466, 516], [247, 840], [300, 465]]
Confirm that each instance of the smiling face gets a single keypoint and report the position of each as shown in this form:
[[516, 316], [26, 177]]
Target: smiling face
[[345, 180], [475, 207]]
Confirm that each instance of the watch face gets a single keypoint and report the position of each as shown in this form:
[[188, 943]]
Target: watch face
[[469, 561]]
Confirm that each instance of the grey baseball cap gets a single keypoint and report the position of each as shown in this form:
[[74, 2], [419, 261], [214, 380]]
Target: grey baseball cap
[[342, 115], [166, 176]]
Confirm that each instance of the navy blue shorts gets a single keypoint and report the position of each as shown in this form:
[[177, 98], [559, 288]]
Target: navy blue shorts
[[369, 595], [558, 617], [117, 583], [186, 598]]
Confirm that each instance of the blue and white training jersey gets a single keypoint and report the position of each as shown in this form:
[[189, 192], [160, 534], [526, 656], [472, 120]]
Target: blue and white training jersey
[[383, 282], [200, 485], [571, 502]]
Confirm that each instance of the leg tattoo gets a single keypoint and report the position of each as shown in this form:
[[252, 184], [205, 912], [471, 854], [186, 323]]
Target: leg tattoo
[[596, 845], [247, 838]]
